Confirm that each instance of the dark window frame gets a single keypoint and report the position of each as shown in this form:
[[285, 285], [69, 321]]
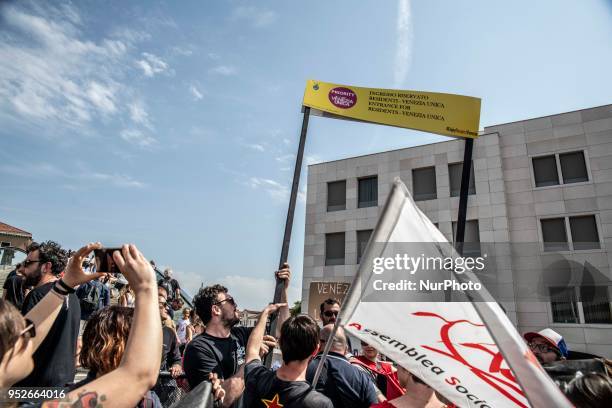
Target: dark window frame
[[367, 203], [551, 245], [558, 159], [359, 250], [583, 179], [336, 207], [423, 196], [335, 261], [570, 244], [472, 184]]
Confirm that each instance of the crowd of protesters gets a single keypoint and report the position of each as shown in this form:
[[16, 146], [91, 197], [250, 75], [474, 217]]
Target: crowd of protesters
[[57, 313]]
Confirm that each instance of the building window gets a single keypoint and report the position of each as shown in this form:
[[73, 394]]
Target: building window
[[334, 249], [363, 237], [595, 303], [424, 184], [554, 234], [571, 166], [583, 233], [471, 238], [336, 196], [368, 192], [545, 171], [583, 304], [563, 305], [455, 171]]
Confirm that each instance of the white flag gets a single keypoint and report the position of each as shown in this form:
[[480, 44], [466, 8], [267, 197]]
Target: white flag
[[469, 352]]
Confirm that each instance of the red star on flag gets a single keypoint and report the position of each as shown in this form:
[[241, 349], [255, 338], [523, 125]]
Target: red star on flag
[[273, 403]]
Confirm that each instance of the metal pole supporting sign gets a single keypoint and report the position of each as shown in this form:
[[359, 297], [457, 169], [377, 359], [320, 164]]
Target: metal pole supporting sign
[[289, 223]]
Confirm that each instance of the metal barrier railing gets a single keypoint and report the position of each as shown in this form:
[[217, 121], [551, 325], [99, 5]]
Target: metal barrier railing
[[171, 390], [199, 397]]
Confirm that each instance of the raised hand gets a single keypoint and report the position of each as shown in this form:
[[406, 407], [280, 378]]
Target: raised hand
[[74, 275], [135, 267]]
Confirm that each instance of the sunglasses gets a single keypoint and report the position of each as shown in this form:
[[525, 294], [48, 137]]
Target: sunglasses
[[542, 348], [28, 262], [227, 299], [29, 331], [330, 313]]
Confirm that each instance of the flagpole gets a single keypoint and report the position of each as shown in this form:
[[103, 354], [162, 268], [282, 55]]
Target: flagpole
[[463, 195], [278, 290]]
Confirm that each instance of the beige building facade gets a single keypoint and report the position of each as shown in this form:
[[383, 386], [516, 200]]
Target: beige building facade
[[543, 185]]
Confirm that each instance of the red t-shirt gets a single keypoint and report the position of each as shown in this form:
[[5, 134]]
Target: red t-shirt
[[393, 388]]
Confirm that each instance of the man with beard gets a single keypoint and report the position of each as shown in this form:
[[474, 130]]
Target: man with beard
[[330, 308], [221, 349], [54, 361]]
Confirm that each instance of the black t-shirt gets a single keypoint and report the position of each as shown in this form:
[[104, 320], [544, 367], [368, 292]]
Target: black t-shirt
[[263, 388], [207, 354], [170, 351], [13, 287], [54, 361]]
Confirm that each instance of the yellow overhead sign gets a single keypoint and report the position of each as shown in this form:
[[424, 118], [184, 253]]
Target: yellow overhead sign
[[445, 114]]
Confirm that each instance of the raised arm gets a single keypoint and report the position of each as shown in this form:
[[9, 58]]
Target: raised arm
[[283, 314], [45, 312], [139, 367], [256, 338]]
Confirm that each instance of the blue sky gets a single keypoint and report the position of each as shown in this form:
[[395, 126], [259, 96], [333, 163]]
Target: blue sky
[[174, 125]]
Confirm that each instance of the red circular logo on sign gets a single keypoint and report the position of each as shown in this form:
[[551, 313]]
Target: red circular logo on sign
[[342, 98]]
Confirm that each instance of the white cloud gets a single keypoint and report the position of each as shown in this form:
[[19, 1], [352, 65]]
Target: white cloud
[[81, 175], [130, 36], [313, 159], [275, 190], [301, 195], [285, 158], [251, 293], [32, 170], [48, 72], [139, 114], [151, 65], [195, 92], [117, 180], [184, 51], [256, 146], [403, 48], [255, 17], [213, 56], [137, 137], [225, 70], [101, 96]]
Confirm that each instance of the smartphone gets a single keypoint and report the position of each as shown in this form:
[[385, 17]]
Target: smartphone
[[104, 260]]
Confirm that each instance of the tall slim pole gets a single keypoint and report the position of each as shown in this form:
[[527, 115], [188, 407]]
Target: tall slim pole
[[463, 195], [289, 222]]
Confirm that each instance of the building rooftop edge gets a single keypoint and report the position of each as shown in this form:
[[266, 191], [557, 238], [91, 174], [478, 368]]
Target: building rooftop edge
[[484, 133]]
